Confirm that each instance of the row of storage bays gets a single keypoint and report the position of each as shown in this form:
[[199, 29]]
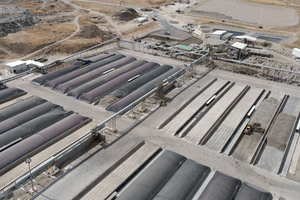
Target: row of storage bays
[[217, 117], [123, 79], [30, 125], [149, 172]]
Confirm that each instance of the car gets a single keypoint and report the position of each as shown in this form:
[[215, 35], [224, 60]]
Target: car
[[167, 33]]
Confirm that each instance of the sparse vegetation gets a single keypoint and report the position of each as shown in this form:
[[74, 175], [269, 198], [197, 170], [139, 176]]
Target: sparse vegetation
[[36, 37], [270, 2], [150, 3]]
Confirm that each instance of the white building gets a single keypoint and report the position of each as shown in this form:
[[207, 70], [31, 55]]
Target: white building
[[239, 45], [20, 65], [141, 20], [245, 37], [218, 34], [201, 32], [296, 52], [32, 63], [16, 66]]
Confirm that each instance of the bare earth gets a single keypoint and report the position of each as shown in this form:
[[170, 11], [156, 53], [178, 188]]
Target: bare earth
[[265, 15]]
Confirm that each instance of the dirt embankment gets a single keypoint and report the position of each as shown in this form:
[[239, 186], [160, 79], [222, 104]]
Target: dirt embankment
[[55, 21], [139, 30], [148, 3], [93, 30], [40, 8], [126, 14], [34, 38]]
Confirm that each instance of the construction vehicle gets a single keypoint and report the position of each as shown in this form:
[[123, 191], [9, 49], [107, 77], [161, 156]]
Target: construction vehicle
[[136, 39], [248, 130]]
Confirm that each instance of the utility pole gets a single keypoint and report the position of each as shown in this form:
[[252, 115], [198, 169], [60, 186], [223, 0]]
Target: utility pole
[[28, 161]]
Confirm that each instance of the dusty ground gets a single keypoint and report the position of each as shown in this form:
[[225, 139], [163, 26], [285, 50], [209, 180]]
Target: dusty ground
[[150, 3], [67, 26], [275, 2], [139, 30], [270, 2], [264, 15], [188, 17], [36, 37], [101, 8]]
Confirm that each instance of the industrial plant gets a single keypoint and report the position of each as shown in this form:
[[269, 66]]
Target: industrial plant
[[208, 112]]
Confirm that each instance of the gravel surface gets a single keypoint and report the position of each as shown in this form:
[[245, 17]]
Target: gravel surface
[[13, 19]]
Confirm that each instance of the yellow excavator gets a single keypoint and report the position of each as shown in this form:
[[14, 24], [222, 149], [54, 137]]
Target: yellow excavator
[[248, 130]]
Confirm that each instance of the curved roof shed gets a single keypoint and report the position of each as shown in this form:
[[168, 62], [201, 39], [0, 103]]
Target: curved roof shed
[[108, 72], [72, 84], [53, 83], [111, 85]]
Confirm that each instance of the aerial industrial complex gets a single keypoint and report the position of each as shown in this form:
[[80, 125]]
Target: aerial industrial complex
[[208, 112]]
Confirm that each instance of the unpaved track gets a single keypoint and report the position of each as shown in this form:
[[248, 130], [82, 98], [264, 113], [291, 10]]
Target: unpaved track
[[51, 46], [78, 14]]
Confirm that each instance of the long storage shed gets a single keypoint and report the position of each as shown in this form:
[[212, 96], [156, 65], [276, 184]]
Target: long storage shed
[[152, 178], [26, 116], [111, 85], [139, 81], [53, 83], [30, 125], [75, 65], [106, 73], [29, 128], [40, 140], [10, 93], [20, 107], [119, 105]]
